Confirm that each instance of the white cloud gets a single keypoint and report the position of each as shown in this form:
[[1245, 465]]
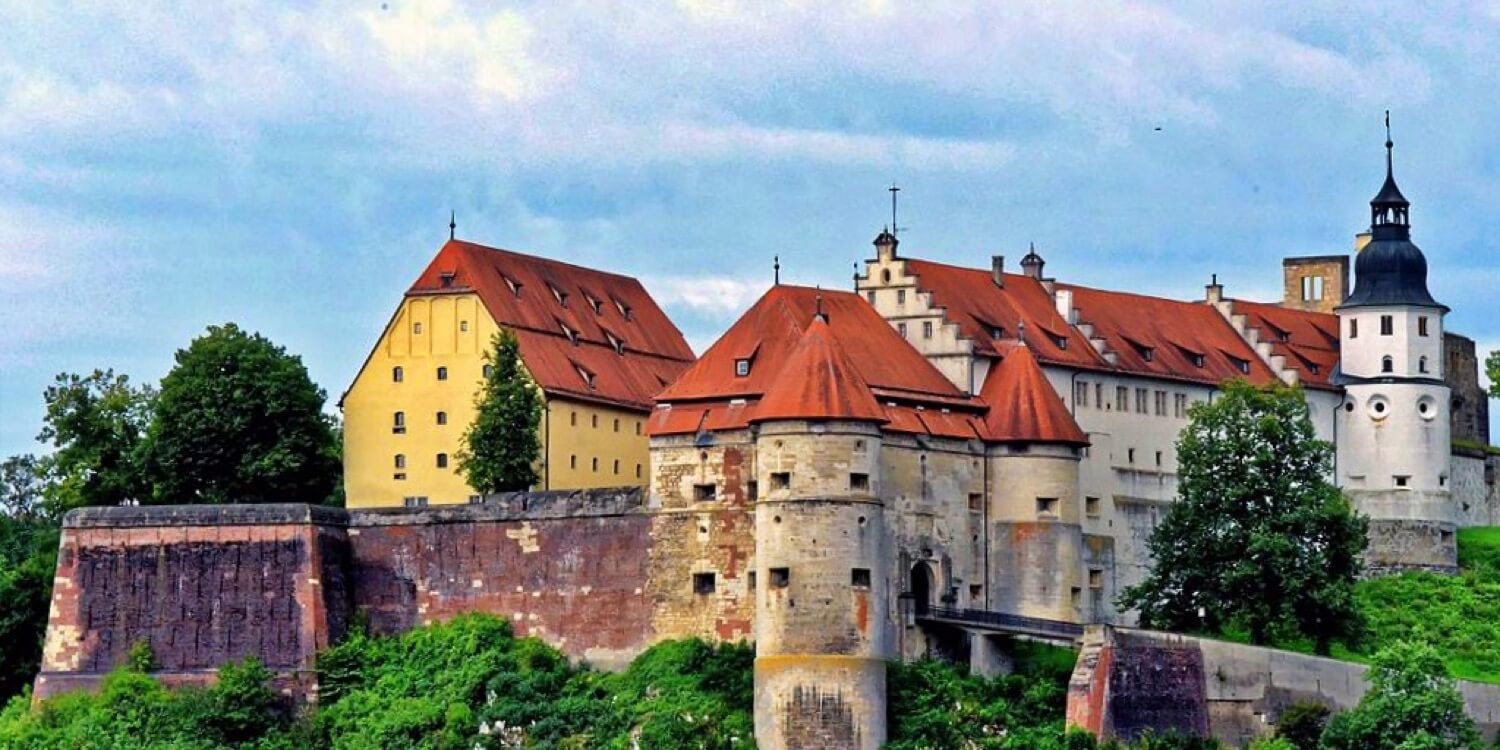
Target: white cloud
[[715, 295]]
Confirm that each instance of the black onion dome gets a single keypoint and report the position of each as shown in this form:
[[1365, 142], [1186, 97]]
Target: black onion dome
[[1390, 270]]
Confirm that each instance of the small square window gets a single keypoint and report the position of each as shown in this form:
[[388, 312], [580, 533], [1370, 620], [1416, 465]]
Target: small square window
[[397, 374], [476, 499], [901, 329], [859, 578], [415, 502], [1075, 595], [442, 373], [705, 492], [781, 578], [1096, 578], [1091, 506], [463, 326], [703, 583], [489, 370], [399, 476], [1402, 480], [442, 460], [1046, 506], [859, 482], [400, 461], [976, 502], [442, 417], [781, 480], [976, 592], [926, 329], [416, 327], [900, 296], [741, 367]]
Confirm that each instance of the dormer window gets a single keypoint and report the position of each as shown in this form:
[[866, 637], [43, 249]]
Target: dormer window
[[623, 308], [1060, 341], [596, 304], [741, 367], [997, 333], [515, 286], [1146, 353], [562, 296], [1243, 365], [588, 377], [569, 332], [446, 279], [1197, 360], [616, 342]]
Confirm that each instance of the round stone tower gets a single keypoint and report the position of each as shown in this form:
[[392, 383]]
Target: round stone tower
[[821, 590], [1393, 431]]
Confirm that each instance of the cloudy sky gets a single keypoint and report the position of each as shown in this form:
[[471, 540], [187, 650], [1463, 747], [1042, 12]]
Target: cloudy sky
[[291, 167]]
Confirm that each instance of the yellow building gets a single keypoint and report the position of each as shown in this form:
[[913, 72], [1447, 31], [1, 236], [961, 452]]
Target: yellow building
[[595, 342]]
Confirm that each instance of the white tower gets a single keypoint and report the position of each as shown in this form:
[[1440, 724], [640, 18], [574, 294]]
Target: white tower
[[1393, 433]]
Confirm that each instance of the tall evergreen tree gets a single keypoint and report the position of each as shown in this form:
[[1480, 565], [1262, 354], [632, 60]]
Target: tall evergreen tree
[[1258, 537], [501, 448], [238, 420]]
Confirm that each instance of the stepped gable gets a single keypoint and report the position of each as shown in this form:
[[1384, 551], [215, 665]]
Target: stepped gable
[[981, 309], [1308, 340], [1024, 407], [818, 381], [625, 344], [1167, 338], [784, 365]]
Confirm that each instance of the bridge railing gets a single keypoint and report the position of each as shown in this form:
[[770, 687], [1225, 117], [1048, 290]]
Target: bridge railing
[[1004, 621]]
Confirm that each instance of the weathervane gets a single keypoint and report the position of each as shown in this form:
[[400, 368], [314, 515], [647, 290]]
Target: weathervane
[[452, 223], [776, 268], [894, 189]]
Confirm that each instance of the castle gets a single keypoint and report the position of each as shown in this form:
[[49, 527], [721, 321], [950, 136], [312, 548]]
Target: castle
[[843, 477]]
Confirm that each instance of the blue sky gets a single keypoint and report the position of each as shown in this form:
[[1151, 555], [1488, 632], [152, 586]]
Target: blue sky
[[291, 167]]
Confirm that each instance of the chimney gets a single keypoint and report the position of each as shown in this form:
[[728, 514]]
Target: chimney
[[1215, 290], [997, 270]]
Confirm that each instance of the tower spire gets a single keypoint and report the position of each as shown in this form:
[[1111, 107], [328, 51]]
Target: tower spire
[[776, 269], [894, 188], [1389, 211], [452, 223]]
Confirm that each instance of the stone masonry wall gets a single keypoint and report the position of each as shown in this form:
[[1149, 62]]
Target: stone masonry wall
[[203, 585], [1129, 680]]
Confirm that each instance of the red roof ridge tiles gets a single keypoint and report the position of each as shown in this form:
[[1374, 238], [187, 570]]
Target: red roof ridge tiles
[[817, 381], [1024, 408]]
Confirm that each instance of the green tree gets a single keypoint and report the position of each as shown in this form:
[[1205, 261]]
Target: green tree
[[96, 423], [500, 449], [238, 420], [21, 486], [1492, 369], [1258, 538], [1412, 704]]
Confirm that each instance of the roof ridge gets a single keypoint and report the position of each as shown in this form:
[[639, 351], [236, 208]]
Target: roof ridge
[[544, 260]]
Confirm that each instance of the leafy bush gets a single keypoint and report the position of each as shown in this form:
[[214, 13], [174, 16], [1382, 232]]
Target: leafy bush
[[1301, 724], [1412, 704]]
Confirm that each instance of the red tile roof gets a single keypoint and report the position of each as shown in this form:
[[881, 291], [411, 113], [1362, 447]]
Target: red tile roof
[[972, 300], [817, 381], [542, 299], [1024, 407], [1308, 340], [768, 332], [853, 365], [1162, 338]]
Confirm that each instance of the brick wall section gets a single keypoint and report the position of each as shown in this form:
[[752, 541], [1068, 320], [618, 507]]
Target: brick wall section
[[204, 585]]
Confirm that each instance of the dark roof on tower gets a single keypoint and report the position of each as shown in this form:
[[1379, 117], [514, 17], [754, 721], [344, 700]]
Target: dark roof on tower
[[1390, 270]]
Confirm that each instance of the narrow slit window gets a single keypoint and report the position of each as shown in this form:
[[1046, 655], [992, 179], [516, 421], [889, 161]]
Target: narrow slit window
[[398, 423]]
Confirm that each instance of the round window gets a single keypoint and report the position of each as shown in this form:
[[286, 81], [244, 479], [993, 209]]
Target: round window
[[1349, 407], [1427, 407], [1380, 407]]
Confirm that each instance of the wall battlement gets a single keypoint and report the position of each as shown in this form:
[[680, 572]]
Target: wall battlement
[[204, 585]]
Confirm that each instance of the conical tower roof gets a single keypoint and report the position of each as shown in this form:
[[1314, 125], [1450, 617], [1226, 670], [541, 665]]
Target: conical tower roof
[[1024, 408], [818, 382]]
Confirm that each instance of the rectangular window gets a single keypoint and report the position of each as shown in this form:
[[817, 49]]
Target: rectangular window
[[616, 467], [442, 460], [1122, 398], [741, 367], [900, 296], [750, 580], [752, 488], [926, 329], [1096, 578], [637, 471], [901, 329], [781, 480], [399, 476], [476, 499], [617, 424], [419, 501], [976, 502], [1179, 405], [780, 578], [705, 492], [573, 462], [398, 423], [703, 583], [397, 374], [976, 592], [1158, 458], [442, 373], [1091, 507], [594, 464], [1081, 394], [1140, 400], [1353, 328], [1422, 325], [1130, 455], [859, 482], [859, 578], [463, 326], [1046, 506], [1402, 480], [1387, 325], [1161, 403], [1099, 395], [870, 295]]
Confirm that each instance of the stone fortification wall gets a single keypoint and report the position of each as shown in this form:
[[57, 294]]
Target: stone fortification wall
[[1127, 681], [203, 585]]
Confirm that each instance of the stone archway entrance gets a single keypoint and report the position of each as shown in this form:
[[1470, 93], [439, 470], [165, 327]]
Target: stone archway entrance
[[921, 587]]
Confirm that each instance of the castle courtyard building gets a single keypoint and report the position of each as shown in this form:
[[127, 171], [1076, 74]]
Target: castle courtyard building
[[595, 342]]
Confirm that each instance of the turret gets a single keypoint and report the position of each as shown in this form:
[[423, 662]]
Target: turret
[[1394, 442], [822, 591]]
